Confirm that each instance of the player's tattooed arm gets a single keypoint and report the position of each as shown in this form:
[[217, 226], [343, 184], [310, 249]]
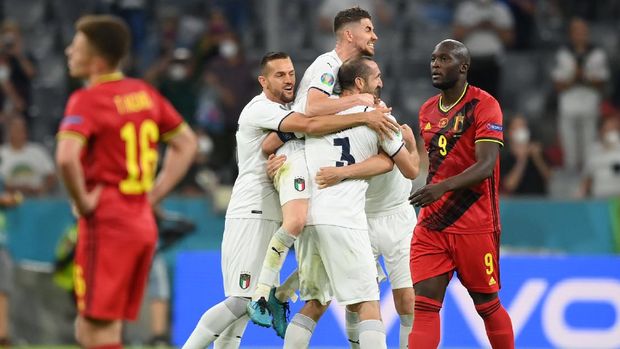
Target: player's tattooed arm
[[373, 166], [486, 156], [271, 143]]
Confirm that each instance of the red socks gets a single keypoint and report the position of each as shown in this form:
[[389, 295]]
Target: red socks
[[108, 346], [497, 323], [425, 331]]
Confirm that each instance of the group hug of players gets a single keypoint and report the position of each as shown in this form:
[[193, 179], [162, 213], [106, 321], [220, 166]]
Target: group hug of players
[[316, 170]]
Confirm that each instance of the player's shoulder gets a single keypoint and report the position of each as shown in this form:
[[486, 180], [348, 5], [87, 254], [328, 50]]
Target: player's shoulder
[[80, 97], [430, 103], [328, 58], [481, 95]]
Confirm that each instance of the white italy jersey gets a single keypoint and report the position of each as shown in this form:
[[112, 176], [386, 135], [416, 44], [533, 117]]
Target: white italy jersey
[[343, 204], [387, 192], [322, 74], [253, 195]]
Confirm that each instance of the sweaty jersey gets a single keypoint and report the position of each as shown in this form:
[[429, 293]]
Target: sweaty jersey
[[253, 195], [450, 137], [343, 204], [120, 121]]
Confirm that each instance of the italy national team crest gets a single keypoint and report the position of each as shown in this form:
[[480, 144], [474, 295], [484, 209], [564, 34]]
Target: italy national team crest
[[244, 280], [327, 79], [300, 183]]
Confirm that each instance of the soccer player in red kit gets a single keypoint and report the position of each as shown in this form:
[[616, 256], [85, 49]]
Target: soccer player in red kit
[[107, 156], [458, 226]]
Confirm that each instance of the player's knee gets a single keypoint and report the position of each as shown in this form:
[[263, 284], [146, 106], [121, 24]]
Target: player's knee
[[236, 305], [403, 300], [369, 310], [314, 309]]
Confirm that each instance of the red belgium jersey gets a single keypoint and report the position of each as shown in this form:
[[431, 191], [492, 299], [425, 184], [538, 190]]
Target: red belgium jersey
[[120, 120], [450, 136]]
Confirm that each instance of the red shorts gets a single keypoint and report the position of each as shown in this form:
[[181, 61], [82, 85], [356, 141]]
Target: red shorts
[[474, 257], [114, 251]]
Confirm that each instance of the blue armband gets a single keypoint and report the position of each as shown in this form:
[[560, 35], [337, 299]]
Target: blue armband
[[286, 136]]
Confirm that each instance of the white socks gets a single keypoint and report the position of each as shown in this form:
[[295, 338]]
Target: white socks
[[352, 322], [231, 337], [372, 334], [298, 332], [406, 321], [214, 321], [277, 250]]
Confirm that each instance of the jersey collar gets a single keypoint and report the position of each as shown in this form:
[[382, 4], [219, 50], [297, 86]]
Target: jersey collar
[[445, 110], [116, 76]]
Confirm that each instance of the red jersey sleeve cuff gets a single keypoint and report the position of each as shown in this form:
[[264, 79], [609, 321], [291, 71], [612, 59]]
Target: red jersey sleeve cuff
[[65, 134], [166, 136]]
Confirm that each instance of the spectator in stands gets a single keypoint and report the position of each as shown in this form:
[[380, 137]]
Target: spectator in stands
[[16, 70], [25, 166], [601, 178], [524, 169], [580, 74], [229, 77], [7, 200], [174, 78], [486, 28]]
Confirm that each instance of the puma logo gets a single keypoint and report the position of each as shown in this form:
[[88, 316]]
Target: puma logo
[[276, 251]]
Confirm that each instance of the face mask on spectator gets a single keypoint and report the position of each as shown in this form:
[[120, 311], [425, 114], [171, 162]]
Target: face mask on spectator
[[521, 135], [177, 72], [612, 137], [228, 49]]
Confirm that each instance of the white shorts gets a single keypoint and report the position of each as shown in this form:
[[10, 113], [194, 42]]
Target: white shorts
[[292, 178], [336, 262], [244, 246], [390, 237]]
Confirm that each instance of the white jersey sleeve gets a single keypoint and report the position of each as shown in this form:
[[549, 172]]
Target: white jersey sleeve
[[322, 74], [253, 195]]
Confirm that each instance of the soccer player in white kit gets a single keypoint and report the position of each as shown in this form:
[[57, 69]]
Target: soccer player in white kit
[[253, 214], [354, 37], [391, 220], [334, 253]]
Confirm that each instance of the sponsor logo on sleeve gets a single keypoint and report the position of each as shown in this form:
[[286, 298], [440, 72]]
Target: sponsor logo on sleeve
[[327, 79], [495, 127], [72, 120]]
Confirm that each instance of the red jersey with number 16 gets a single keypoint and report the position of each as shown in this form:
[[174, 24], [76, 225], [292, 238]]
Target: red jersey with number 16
[[450, 137], [120, 120]]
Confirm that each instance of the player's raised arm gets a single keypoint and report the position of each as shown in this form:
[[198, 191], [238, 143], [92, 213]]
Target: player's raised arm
[[179, 156], [320, 125], [319, 103]]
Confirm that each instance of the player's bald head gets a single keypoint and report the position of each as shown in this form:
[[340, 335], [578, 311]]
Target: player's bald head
[[456, 48]]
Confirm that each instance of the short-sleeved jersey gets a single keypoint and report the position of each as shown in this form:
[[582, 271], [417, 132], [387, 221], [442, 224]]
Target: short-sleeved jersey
[[450, 137], [253, 195], [387, 192], [120, 121], [343, 204], [322, 74]]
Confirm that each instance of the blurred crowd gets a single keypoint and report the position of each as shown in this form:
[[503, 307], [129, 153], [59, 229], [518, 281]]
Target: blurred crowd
[[554, 66]]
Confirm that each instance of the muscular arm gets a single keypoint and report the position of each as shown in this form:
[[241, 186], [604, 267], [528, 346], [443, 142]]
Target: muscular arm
[[320, 125], [319, 103], [486, 156], [373, 166], [271, 143], [179, 156]]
